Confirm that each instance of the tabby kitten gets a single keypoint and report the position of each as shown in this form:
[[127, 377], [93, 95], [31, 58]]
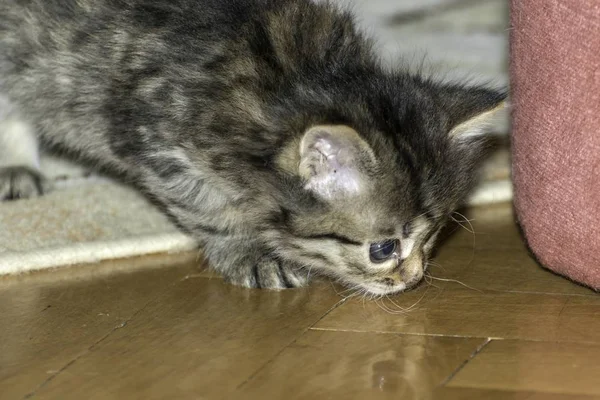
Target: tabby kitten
[[267, 129]]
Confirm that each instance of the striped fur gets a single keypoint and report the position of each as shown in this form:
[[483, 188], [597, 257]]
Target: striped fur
[[267, 129]]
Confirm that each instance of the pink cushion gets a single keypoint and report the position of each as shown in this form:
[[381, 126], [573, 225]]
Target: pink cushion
[[555, 73]]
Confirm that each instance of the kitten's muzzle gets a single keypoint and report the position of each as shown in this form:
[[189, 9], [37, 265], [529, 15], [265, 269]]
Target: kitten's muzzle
[[406, 274]]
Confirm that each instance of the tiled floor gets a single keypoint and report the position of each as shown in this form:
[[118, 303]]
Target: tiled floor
[[489, 324]]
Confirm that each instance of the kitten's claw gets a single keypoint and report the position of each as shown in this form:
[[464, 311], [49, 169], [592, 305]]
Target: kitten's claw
[[270, 273], [19, 183]]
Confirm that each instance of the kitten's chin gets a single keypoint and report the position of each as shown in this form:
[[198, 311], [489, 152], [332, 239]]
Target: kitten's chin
[[380, 289]]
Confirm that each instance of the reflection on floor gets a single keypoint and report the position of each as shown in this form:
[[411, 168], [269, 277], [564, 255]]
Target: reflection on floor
[[488, 324]]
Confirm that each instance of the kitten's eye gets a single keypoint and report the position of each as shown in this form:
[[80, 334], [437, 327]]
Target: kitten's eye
[[382, 251]]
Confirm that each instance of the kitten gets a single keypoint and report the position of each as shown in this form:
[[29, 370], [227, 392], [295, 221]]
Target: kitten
[[267, 129]]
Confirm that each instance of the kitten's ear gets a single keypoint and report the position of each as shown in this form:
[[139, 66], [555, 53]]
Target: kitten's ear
[[480, 124], [334, 161], [474, 113]]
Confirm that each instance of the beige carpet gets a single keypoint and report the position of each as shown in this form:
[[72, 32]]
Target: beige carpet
[[82, 220]]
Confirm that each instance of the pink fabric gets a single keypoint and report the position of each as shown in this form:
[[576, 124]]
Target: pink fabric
[[555, 73]]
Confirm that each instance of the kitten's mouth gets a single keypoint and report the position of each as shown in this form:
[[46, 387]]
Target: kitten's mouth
[[382, 289], [389, 286]]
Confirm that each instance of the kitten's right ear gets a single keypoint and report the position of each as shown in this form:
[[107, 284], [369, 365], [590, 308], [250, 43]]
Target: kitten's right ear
[[334, 160], [472, 112], [481, 123]]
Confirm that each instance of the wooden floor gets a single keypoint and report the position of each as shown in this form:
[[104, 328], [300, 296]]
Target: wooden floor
[[488, 324]]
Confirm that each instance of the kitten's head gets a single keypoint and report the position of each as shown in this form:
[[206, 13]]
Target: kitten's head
[[384, 184]]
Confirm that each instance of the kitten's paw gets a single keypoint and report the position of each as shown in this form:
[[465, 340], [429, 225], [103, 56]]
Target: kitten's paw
[[270, 273], [19, 183]]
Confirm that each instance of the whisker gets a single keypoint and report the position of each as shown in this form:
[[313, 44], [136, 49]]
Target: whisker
[[464, 219], [385, 308], [456, 281], [342, 293], [472, 231], [382, 307], [351, 295], [388, 309], [351, 289], [334, 289], [461, 225], [435, 264], [308, 274], [400, 309], [430, 281], [356, 291], [364, 297], [418, 216], [418, 301]]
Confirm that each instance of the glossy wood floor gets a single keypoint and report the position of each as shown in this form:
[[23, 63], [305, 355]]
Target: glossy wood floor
[[488, 324]]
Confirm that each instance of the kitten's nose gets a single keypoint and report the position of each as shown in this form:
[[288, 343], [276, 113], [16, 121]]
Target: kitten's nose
[[412, 277], [413, 281]]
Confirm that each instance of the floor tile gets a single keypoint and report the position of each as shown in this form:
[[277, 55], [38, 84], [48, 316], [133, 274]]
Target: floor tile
[[485, 227], [551, 367], [346, 365], [201, 339], [453, 393], [495, 257], [508, 270], [464, 312], [148, 328], [50, 318]]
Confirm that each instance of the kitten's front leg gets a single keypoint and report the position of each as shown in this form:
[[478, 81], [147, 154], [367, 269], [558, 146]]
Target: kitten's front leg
[[248, 264], [19, 182], [270, 273], [19, 157], [233, 248]]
